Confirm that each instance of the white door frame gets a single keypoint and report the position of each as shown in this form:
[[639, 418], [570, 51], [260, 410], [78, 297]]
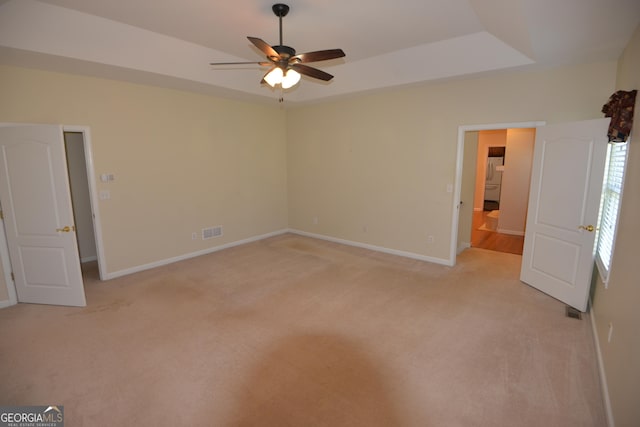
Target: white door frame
[[93, 195], [453, 252]]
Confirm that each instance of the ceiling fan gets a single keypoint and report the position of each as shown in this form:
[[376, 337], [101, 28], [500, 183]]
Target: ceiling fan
[[287, 66]]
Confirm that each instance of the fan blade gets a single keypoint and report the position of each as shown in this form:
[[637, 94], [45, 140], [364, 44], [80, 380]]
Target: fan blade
[[320, 55], [241, 63], [264, 47], [312, 72]]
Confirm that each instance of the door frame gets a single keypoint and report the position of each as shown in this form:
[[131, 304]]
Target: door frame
[[453, 248], [93, 196]]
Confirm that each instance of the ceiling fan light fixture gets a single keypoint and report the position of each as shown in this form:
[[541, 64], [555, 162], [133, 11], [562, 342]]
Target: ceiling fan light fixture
[[274, 76], [287, 66], [291, 78], [287, 79]]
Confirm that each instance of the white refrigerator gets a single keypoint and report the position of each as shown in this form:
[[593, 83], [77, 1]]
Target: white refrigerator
[[493, 180]]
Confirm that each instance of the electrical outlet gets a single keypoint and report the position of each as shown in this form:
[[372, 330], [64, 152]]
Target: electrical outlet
[[194, 236], [315, 220], [430, 239], [107, 177]]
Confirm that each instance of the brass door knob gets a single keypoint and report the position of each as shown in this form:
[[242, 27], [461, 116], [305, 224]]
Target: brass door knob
[[589, 228], [66, 229]]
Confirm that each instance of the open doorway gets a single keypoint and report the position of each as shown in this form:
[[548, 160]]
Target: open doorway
[[494, 169], [74, 143], [502, 180]]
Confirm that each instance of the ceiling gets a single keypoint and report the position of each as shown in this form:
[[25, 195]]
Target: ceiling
[[171, 43]]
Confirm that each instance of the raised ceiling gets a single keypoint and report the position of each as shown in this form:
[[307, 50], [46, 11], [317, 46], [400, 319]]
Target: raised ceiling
[[171, 43]]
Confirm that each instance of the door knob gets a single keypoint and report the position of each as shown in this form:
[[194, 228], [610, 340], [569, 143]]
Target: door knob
[[589, 228], [67, 229]]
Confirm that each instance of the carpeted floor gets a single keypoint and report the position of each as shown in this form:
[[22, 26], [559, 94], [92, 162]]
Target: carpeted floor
[[292, 331]]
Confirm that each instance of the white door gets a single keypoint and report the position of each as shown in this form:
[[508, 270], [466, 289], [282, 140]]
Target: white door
[[36, 203], [566, 182]]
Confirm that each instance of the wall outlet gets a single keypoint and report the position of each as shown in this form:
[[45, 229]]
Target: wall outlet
[[315, 220], [430, 239], [194, 236]]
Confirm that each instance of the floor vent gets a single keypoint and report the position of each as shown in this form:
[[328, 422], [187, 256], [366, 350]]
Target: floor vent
[[573, 313], [210, 233]]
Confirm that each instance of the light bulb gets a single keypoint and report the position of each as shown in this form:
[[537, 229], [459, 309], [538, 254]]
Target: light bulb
[[290, 79], [274, 77]]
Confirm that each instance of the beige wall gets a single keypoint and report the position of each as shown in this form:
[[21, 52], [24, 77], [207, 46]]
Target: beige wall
[[182, 161], [619, 304], [374, 169], [516, 180]]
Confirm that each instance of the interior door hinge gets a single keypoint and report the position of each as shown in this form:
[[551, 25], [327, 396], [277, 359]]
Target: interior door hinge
[[13, 277], [1, 215]]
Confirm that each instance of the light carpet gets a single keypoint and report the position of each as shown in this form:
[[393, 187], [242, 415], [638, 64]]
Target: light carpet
[[293, 331]]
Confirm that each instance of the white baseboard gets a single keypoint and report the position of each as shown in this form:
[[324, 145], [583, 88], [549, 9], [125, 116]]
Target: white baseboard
[[405, 254], [603, 376], [190, 255], [7, 303], [463, 246], [512, 232]]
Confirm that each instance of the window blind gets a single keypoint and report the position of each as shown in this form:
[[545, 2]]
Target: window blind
[[610, 206]]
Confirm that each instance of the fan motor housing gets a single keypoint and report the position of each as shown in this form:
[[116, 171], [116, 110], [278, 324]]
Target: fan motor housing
[[285, 51], [280, 9]]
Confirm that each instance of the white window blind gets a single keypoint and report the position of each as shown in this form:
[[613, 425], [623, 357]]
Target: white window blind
[[609, 206]]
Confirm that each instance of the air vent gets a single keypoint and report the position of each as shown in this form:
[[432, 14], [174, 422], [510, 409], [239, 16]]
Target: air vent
[[210, 233], [573, 313]]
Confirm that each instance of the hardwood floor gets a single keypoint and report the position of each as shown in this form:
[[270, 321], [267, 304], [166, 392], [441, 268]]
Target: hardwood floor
[[493, 240]]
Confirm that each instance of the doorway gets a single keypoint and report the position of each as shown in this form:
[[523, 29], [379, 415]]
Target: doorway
[[505, 230], [77, 164], [503, 160], [80, 197]]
